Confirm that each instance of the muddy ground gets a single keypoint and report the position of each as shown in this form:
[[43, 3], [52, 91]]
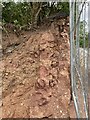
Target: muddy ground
[[36, 74]]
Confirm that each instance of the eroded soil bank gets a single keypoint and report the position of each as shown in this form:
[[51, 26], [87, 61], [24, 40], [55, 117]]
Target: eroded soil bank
[[36, 75]]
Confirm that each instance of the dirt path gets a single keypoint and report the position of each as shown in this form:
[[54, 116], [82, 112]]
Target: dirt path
[[36, 78]]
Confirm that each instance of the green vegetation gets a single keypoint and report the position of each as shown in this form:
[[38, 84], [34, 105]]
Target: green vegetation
[[30, 14], [83, 37], [24, 15]]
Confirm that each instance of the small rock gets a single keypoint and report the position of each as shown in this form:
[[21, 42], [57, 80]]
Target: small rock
[[52, 83], [6, 73], [13, 91], [60, 111], [25, 36], [43, 101], [10, 61], [43, 72], [57, 106], [54, 64], [40, 84], [22, 104]]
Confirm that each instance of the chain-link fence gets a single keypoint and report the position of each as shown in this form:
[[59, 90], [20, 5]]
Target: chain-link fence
[[79, 56]]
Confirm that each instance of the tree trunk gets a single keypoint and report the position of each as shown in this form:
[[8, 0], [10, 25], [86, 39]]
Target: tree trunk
[[35, 10]]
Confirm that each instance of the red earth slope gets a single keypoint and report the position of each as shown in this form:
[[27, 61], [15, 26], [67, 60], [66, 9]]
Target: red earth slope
[[36, 80]]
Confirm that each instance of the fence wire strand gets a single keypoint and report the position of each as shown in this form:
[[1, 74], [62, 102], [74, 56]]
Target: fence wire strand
[[79, 57]]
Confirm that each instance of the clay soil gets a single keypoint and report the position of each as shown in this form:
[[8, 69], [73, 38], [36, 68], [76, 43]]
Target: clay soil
[[36, 74]]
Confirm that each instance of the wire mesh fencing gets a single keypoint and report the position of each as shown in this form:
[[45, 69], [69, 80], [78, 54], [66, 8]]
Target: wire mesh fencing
[[79, 44]]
